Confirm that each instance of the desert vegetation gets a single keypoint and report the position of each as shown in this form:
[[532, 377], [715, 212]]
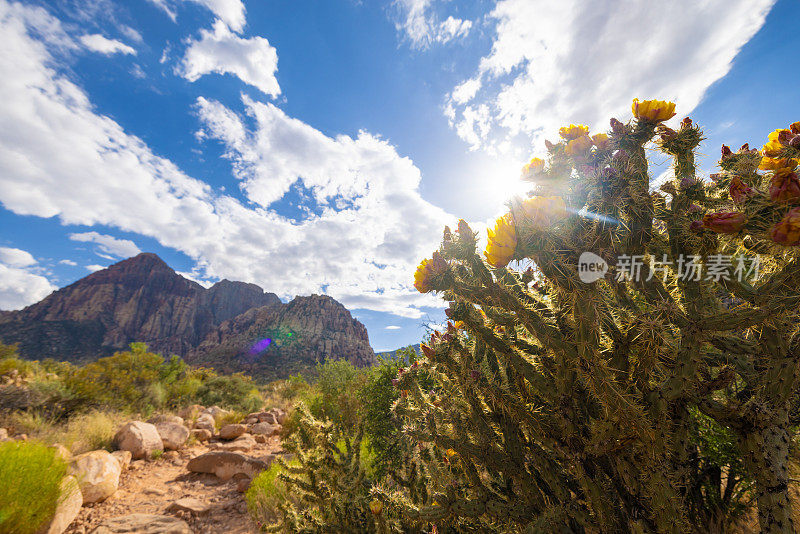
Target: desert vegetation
[[659, 396]]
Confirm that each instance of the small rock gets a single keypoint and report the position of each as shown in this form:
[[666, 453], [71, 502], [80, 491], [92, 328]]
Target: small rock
[[3, 434], [97, 473], [232, 431], [171, 455], [123, 457], [188, 504], [243, 443], [140, 438], [267, 417], [266, 429], [201, 434], [260, 438], [280, 415], [242, 482], [143, 524], [251, 420], [155, 491], [21, 437]]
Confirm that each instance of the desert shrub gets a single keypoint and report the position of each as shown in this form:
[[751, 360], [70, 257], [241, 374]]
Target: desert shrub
[[267, 493], [80, 433], [337, 385], [30, 477], [236, 391]]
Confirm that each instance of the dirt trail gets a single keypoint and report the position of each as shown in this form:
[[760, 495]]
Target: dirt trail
[[151, 487]]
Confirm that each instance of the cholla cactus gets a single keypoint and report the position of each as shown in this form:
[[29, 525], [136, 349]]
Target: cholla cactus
[[565, 406]]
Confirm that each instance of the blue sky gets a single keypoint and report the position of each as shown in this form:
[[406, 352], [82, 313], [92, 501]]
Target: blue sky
[[320, 147]]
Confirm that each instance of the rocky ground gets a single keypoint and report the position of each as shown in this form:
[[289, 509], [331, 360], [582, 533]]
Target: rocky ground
[[206, 503]]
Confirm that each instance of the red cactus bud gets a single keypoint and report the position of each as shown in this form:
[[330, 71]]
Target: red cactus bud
[[427, 351], [795, 127], [476, 375], [795, 142], [784, 137], [745, 148], [617, 127], [739, 191], [686, 123], [447, 235], [696, 226], [784, 186], [715, 177], [724, 222], [450, 328], [726, 152]]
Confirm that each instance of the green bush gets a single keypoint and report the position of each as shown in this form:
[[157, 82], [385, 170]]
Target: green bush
[[338, 385], [266, 494], [235, 391], [30, 477]]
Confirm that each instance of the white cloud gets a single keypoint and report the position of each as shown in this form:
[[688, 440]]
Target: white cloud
[[59, 158], [392, 327], [97, 43], [20, 283], [94, 268], [572, 61], [68, 262], [231, 12], [15, 257], [253, 60], [423, 27], [122, 248]]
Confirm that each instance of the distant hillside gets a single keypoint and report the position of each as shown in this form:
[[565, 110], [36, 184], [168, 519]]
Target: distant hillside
[[143, 299], [394, 354]]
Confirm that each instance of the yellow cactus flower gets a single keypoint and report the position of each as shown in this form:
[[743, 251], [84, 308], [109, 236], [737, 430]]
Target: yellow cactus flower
[[600, 141], [579, 147], [533, 169], [653, 110], [773, 164], [502, 242], [427, 271], [450, 452], [573, 131], [542, 211], [776, 135], [773, 148]]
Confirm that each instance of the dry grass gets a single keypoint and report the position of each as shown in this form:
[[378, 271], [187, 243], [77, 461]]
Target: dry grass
[[82, 433]]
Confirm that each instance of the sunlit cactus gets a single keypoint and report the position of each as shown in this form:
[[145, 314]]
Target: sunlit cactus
[[563, 404]]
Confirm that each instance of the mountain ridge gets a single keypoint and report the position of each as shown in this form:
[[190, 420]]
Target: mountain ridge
[[143, 299]]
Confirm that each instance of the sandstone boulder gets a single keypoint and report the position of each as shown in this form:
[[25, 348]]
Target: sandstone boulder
[[172, 435], [280, 415], [140, 438], [265, 429], [62, 452], [123, 457], [143, 524], [232, 431], [225, 464], [216, 412], [69, 505], [97, 473], [201, 434], [205, 421]]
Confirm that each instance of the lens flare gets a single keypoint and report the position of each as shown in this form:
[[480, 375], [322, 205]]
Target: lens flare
[[260, 346]]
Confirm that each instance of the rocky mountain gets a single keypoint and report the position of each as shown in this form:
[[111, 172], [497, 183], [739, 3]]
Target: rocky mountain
[[143, 299], [281, 340]]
